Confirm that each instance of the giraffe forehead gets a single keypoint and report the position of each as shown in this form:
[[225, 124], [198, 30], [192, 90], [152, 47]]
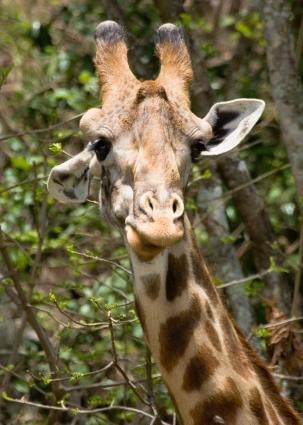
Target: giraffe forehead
[[141, 115], [150, 88]]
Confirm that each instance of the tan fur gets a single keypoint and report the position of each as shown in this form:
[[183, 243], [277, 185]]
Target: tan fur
[[143, 250], [212, 373], [112, 67], [176, 71]]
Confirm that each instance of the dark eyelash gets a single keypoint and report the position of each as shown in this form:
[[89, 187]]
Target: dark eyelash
[[101, 147], [197, 146]]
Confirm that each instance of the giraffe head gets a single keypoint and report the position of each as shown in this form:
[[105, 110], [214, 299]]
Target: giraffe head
[[143, 140]]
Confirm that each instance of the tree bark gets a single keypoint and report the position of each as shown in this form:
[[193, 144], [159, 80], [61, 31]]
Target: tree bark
[[287, 89], [221, 254], [252, 211]]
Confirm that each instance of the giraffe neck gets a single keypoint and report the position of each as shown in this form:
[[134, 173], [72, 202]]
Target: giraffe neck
[[212, 374]]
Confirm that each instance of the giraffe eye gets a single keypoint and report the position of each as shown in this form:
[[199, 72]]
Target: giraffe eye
[[101, 147], [196, 148]]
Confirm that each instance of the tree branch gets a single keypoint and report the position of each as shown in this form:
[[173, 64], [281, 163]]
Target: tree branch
[[287, 89], [31, 317]]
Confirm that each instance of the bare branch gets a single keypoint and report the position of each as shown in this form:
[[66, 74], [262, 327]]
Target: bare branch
[[245, 279], [77, 410], [40, 130], [288, 377], [31, 317], [103, 260], [118, 367], [23, 183]]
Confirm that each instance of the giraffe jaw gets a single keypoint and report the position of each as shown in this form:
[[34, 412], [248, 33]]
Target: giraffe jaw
[[148, 240], [144, 250]]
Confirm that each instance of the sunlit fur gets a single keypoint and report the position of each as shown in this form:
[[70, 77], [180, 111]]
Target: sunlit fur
[[212, 374]]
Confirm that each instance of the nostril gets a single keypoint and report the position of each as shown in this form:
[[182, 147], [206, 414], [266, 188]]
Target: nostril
[[150, 204], [177, 206], [147, 204]]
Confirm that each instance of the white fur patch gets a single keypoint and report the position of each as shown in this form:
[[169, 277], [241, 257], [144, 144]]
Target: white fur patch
[[249, 111], [69, 182]]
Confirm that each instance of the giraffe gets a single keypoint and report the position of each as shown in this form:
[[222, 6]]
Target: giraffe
[[142, 143]]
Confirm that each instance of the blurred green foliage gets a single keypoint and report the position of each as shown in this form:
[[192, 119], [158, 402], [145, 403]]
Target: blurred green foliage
[[47, 77]]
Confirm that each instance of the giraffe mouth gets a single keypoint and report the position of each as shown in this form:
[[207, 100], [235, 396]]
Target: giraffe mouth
[[150, 239], [143, 249]]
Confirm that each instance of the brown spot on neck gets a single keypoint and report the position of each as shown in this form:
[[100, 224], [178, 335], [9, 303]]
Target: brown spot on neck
[[152, 283], [177, 332], [199, 369], [176, 276], [224, 404]]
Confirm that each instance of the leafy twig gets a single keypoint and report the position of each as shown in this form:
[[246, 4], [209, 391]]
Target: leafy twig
[[116, 362], [30, 315], [40, 130], [78, 410]]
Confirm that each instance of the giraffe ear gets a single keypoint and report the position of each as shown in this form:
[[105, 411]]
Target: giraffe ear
[[69, 182], [230, 122]]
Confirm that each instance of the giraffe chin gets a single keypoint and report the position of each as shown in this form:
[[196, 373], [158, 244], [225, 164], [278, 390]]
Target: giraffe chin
[[144, 250], [149, 240]]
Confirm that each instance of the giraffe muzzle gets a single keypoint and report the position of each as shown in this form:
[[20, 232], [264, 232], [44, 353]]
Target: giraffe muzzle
[[157, 226]]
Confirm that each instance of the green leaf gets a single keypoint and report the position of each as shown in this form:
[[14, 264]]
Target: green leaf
[[20, 163], [55, 148], [95, 400], [75, 411], [276, 269], [22, 387], [261, 332], [84, 77], [5, 396], [217, 280], [186, 19], [4, 73], [70, 248], [227, 21], [228, 239], [52, 297], [206, 174], [76, 376], [46, 380]]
